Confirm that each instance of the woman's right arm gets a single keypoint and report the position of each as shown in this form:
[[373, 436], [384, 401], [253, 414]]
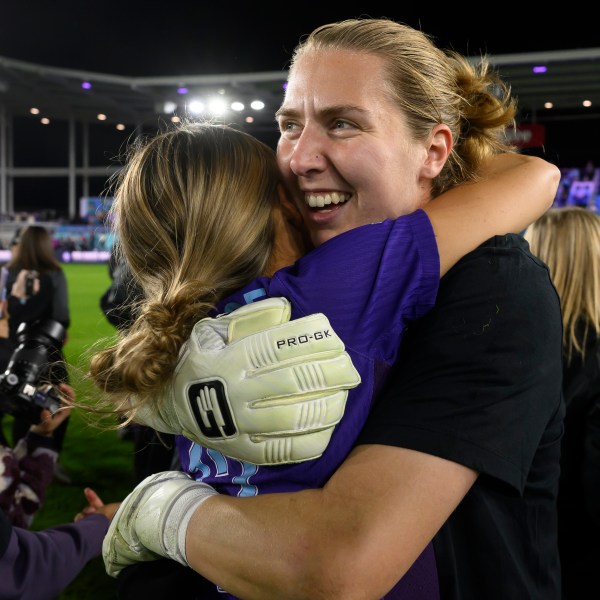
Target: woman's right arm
[[514, 190]]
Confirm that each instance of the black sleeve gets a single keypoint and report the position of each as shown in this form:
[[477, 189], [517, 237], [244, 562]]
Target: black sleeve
[[37, 306], [157, 579], [591, 462], [5, 533], [479, 377], [118, 301]]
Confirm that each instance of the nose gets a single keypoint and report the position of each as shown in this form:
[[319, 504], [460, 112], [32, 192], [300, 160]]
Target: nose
[[308, 154]]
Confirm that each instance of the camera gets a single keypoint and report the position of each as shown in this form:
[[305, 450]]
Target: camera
[[23, 391], [29, 283]]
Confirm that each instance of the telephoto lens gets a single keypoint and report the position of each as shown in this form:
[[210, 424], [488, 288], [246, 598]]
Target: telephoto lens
[[23, 390]]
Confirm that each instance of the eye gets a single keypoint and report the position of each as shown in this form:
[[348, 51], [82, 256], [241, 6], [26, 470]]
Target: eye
[[286, 124], [341, 124]]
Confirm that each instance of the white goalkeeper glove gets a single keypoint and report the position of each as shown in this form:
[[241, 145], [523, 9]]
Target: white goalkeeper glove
[[152, 521], [258, 387]]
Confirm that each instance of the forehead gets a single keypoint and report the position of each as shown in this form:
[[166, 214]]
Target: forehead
[[324, 78]]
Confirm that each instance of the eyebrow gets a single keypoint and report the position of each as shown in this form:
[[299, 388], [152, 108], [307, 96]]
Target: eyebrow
[[330, 111]]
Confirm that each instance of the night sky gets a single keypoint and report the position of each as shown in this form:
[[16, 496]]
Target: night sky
[[195, 37]]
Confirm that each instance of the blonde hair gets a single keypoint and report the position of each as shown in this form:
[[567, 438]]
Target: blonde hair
[[193, 216], [568, 241], [430, 86]]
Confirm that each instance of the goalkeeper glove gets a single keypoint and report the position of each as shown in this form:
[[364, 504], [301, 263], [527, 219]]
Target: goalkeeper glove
[[258, 387], [152, 521]]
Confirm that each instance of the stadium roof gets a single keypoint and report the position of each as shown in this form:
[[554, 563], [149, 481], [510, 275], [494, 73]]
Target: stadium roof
[[567, 78]]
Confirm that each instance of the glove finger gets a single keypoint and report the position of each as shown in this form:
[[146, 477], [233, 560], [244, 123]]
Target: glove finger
[[121, 545], [292, 380], [264, 450], [115, 552], [294, 415], [301, 339], [279, 418], [257, 316], [114, 544]]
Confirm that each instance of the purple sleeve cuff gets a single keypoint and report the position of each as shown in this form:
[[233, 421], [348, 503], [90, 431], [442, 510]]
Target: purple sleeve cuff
[[40, 564]]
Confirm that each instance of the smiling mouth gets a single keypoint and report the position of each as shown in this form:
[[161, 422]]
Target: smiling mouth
[[325, 200]]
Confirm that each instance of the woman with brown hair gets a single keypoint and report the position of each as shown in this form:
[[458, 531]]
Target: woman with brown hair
[[35, 290]]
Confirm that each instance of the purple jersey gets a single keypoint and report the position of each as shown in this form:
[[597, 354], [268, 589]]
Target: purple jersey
[[369, 282]]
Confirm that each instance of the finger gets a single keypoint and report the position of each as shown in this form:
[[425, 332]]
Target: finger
[[300, 339], [88, 510], [92, 497], [68, 391], [261, 450], [292, 379], [257, 316], [60, 415], [286, 398], [45, 415], [281, 418]]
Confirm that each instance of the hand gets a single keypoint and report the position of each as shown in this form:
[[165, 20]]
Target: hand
[[258, 387], [18, 289], [152, 521], [96, 506], [48, 421]]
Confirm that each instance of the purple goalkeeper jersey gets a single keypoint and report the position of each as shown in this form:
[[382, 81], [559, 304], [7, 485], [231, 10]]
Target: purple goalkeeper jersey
[[369, 282]]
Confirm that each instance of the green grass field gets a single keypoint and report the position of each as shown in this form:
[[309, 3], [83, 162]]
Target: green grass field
[[93, 455]]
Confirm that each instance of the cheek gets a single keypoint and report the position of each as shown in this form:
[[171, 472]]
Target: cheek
[[387, 193], [284, 154]]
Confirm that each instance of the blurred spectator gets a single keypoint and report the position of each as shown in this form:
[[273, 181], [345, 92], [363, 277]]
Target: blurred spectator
[[153, 452], [118, 301], [33, 256], [27, 469], [568, 241], [39, 565]]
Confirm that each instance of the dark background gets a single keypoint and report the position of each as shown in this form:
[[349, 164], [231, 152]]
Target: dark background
[[135, 38], [174, 37]]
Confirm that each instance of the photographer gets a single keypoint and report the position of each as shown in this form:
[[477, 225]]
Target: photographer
[[38, 565], [27, 469], [36, 288]]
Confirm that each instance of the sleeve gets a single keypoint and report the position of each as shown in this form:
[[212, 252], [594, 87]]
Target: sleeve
[[38, 565], [158, 579], [479, 377], [591, 462], [118, 301], [27, 472], [60, 299], [369, 281], [34, 307]]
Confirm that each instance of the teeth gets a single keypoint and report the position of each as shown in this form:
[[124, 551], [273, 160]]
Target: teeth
[[321, 200]]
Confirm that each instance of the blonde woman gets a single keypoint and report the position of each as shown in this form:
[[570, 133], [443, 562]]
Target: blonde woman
[[568, 241]]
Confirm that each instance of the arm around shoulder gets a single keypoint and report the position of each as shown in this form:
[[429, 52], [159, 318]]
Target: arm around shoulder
[[512, 192], [344, 541]]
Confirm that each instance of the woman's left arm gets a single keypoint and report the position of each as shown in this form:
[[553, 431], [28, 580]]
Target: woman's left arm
[[60, 304]]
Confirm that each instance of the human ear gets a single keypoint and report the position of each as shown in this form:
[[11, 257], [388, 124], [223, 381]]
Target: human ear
[[438, 149]]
